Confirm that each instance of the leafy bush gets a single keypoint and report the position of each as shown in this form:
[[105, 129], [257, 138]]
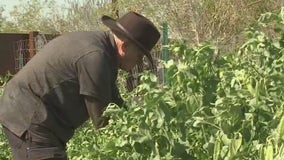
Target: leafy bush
[[5, 152], [228, 107]]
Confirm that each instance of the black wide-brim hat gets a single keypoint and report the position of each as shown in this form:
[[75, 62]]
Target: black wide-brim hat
[[137, 28]]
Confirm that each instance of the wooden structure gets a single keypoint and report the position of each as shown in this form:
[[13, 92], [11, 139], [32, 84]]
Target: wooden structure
[[17, 49]]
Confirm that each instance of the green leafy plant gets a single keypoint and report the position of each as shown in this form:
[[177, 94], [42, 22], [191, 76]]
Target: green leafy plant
[[227, 107], [5, 151], [212, 107]]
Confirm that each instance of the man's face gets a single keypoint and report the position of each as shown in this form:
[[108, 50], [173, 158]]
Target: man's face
[[133, 55]]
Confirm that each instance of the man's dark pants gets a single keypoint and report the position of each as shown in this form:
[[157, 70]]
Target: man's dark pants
[[37, 143]]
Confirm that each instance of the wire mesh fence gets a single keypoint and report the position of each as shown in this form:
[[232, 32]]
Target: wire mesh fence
[[24, 49], [21, 53]]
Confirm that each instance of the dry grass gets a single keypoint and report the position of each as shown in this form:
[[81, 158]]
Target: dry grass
[[193, 21]]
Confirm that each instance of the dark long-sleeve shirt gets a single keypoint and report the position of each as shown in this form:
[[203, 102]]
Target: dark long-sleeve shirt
[[51, 88]]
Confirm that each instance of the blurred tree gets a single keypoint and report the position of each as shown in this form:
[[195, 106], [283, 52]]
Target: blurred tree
[[32, 15], [195, 21], [192, 21]]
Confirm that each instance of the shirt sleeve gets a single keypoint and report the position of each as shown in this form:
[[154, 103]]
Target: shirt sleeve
[[94, 76]]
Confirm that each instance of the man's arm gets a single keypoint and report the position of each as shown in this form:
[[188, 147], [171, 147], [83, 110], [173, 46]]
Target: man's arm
[[116, 98], [95, 109]]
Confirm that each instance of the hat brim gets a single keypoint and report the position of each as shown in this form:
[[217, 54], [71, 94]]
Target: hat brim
[[117, 27]]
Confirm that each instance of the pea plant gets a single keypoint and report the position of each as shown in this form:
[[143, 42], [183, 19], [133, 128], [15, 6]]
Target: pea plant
[[212, 107]]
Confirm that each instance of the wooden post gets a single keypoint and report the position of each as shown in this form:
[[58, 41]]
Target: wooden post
[[32, 50]]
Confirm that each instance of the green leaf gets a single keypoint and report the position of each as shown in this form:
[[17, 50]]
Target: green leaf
[[235, 144], [268, 152], [217, 148], [280, 129]]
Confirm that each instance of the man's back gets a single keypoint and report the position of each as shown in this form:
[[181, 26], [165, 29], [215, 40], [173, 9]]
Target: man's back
[[50, 88]]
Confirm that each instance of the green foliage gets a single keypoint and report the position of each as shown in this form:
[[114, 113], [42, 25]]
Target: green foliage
[[213, 107], [5, 151], [33, 15], [228, 107], [3, 81]]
